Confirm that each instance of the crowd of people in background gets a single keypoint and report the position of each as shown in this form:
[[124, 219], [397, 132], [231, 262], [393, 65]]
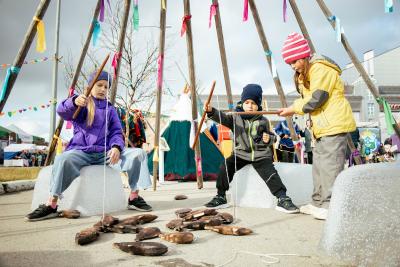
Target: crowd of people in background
[[36, 159]]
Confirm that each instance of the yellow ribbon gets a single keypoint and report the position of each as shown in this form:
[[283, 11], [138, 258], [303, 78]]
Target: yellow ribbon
[[163, 4], [41, 36], [155, 155], [59, 148]]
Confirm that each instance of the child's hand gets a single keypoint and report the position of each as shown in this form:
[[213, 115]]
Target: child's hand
[[207, 108], [81, 101], [265, 137], [113, 154], [284, 112]]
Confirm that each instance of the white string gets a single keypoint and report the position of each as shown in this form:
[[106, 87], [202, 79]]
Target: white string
[[105, 146], [236, 180], [272, 260]]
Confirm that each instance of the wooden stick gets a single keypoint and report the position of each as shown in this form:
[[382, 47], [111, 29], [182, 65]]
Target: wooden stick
[[23, 51], [303, 28], [121, 42], [163, 13], [371, 86], [221, 44], [204, 115], [254, 112], [189, 43], [53, 143], [89, 90]]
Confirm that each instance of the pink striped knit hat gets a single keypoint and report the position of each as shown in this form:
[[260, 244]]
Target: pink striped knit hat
[[295, 47]]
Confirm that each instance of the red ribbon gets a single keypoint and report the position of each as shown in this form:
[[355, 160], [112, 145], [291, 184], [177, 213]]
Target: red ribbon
[[246, 10], [184, 21], [213, 12], [199, 170], [114, 63], [160, 63], [71, 91]]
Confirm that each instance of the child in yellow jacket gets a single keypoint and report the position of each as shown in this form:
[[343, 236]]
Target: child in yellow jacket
[[318, 81]]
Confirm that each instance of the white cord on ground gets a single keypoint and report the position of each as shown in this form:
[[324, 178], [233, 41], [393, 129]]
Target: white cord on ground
[[269, 257]]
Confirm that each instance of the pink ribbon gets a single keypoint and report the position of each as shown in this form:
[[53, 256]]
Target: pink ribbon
[[114, 63], [160, 63], [69, 125], [284, 11], [199, 170], [213, 12], [71, 91], [184, 21], [246, 10]]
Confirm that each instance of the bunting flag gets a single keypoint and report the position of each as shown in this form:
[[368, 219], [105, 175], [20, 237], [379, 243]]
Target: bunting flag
[[185, 19], [33, 61], [41, 35], [388, 115], [59, 145], [96, 31], [284, 11], [114, 63], [160, 64], [135, 18], [213, 12], [10, 70], [388, 6], [35, 108], [246, 10]]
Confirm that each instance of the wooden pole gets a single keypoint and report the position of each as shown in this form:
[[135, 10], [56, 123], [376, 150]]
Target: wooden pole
[[371, 86], [121, 43], [23, 51], [268, 56], [89, 90], [221, 44], [265, 112], [192, 77], [163, 13], [303, 28], [204, 115], [53, 143]]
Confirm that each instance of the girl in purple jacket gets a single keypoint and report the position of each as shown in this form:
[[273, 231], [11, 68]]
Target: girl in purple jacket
[[93, 145]]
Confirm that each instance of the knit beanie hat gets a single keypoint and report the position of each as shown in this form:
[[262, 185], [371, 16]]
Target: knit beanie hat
[[295, 47], [104, 76], [253, 92]]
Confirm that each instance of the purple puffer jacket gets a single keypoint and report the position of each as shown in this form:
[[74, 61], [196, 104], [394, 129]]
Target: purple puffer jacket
[[91, 139]]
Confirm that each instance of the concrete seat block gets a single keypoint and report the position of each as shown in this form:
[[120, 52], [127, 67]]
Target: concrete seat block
[[363, 225], [249, 189], [86, 192]]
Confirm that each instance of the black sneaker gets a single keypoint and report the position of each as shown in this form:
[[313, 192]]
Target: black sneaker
[[218, 202], [286, 205], [138, 204], [43, 212]]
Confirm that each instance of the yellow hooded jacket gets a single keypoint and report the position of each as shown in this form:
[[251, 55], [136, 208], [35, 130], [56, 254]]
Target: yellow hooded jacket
[[330, 111]]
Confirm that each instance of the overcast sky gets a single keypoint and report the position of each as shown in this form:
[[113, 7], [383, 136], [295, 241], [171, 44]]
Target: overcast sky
[[365, 23]]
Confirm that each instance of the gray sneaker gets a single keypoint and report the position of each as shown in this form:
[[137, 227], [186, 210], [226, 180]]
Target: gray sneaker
[[286, 205]]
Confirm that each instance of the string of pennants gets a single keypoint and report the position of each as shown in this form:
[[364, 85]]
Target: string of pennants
[[32, 61], [31, 108]]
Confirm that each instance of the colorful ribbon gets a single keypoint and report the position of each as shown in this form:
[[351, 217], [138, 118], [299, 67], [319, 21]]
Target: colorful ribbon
[[41, 35], [114, 64], [213, 12], [388, 115], [338, 28], [160, 63], [69, 125], [96, 31], [163, 5], [71, 91], [135, 17], [185, 19], [155, 154], [10, 70], [3, 66], [246, 10], [388, 6], [199, 169], [284, 11]]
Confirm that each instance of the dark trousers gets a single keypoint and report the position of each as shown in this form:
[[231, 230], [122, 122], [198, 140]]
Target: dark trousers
[[309, 157], [265, 168]]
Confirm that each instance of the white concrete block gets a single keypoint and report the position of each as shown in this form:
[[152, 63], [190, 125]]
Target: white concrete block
[[252, 191], [86, 192], [363, 225]]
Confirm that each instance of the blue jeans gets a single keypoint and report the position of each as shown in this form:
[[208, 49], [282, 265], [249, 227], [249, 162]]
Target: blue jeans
[[67, 167]]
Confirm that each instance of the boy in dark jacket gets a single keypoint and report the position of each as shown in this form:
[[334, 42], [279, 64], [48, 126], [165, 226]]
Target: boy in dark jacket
[[252, 146]]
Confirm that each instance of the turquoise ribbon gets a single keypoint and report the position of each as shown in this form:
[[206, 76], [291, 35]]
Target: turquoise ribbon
[[10, 70], [388, 6], [388, 115], [338, 28], [96, 31], [136, 17], [268, 53]]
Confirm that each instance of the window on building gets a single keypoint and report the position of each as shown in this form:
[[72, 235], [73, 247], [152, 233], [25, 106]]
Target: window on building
[[370, 96], [371, 109]]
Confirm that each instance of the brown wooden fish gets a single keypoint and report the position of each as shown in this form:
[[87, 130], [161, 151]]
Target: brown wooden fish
[[229, 230], [182, 212], [139, 219], [195, 225], [199, 213], [109, 220], [86, 236], [69, 214], [176, 224], [124, 229], [180, 197], [227, 218], [148, 233], [179, 238], [142, 248]]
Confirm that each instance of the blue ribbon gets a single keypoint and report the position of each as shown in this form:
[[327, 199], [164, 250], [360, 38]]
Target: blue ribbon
[[10, 70], [96, 31], [230, 106], [388, 6], [268, 53], [338, 27]]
